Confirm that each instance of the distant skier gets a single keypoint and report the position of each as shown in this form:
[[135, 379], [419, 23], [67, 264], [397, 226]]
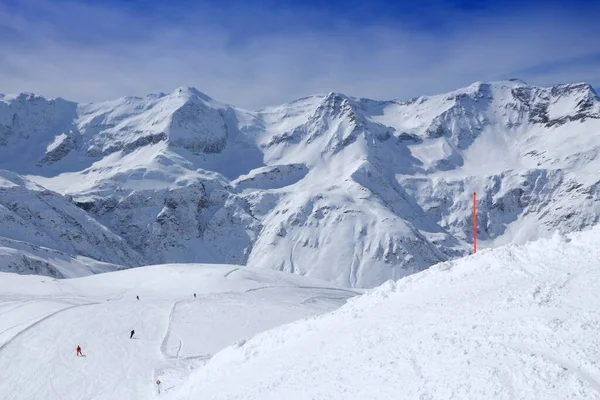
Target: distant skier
[[137, 297], [79, 353], [132, 333], [194, 295]]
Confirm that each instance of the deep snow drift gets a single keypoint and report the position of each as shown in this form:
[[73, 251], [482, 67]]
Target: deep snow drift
[[507, 323], [43, 320]]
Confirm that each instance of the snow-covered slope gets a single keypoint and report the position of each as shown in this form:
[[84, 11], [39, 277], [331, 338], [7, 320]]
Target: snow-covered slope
[[353, 191], [43, 320], [28, 259], [506, 323], [42, 232]]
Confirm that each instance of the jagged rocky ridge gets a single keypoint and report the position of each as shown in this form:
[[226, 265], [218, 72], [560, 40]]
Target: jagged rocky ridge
[[354, 191]]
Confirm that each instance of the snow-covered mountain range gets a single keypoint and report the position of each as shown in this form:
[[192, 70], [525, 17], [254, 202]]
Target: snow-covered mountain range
[[349, 190]]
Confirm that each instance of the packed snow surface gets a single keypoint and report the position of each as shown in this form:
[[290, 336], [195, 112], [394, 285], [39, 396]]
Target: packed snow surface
[[507, 323], [43, 320]]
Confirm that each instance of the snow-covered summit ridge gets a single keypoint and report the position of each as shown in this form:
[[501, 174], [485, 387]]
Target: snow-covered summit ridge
[[191, 120], [341, 188], [57, 136]]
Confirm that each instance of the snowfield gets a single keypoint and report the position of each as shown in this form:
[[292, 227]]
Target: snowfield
[[505, 323], [508, 323], [43, 320]]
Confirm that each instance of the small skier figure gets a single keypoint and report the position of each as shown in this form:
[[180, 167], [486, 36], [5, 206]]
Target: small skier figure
[[194, 295], [132, 333], [79, 354], [137, 297]]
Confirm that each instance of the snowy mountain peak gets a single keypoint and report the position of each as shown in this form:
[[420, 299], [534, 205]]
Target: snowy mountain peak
[[23, 96], [350, 190], [485, 90], [572, 88], [189, 92]]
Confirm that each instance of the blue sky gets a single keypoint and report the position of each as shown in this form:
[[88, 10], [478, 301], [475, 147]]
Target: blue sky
[[254, 54]]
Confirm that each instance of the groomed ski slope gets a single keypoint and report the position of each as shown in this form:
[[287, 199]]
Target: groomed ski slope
[[508, 323], [42, 320]]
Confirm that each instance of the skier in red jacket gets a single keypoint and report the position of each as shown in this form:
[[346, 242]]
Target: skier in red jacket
[[79, 351]]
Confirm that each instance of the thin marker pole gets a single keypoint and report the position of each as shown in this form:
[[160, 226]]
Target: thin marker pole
[[474, 222]]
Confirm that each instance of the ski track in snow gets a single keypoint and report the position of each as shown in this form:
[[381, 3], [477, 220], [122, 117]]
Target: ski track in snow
[[38, 322], [230, 272], [19, 305], [40, 358], [509, 323], [163, 346]]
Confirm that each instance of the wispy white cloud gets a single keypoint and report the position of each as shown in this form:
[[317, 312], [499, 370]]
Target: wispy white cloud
[[94, 52]]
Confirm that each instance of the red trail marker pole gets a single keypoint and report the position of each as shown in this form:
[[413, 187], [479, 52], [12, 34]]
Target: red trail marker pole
[[474, 222]]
